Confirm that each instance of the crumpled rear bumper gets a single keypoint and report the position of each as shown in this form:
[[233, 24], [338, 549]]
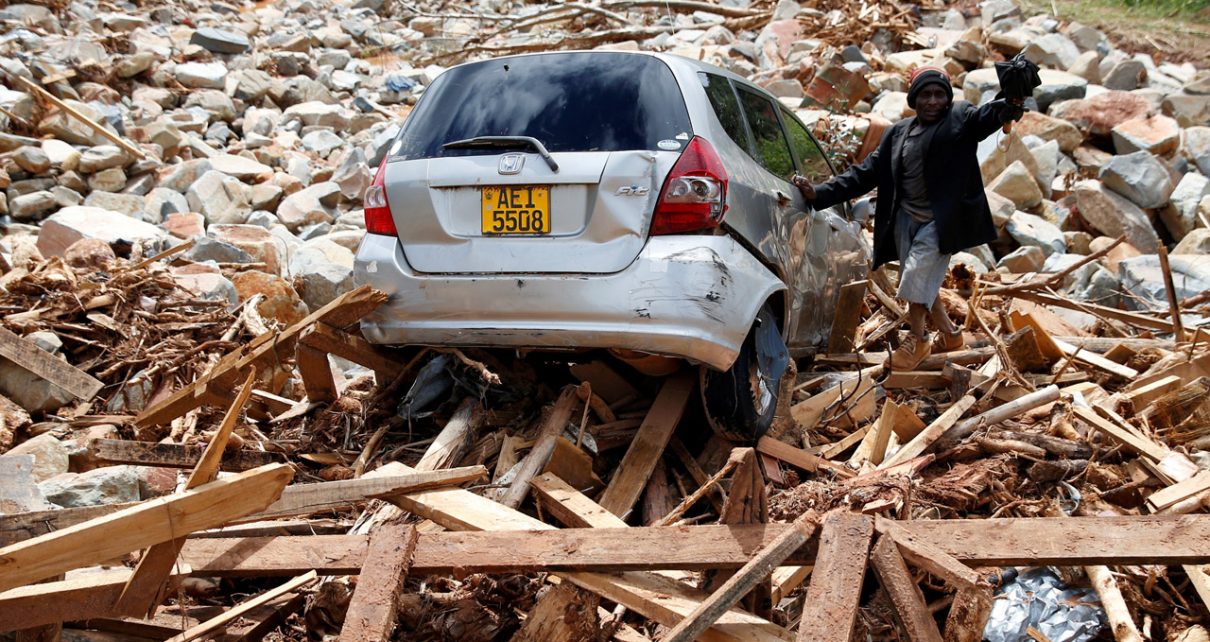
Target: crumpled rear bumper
[[684, 296]]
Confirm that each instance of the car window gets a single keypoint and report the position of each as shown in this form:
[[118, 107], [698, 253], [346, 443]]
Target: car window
[[726, 107], [772, 150], [569, 102], [811, 160]]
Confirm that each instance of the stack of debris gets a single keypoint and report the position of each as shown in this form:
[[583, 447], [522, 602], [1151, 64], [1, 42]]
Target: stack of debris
[[182, 186]]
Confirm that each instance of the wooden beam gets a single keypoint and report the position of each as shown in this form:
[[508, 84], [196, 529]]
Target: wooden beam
[[649, 443], [74, 113], [1127, 438], [302, 499], [847, 316], [451, 443], [375, 602], [809, 412], [316, 373], [570, 506], [911, 611], [927, 555], [1178, 492], [21, 526], [352, 347], [150, 522], [534, 462], [146, 453], [213, 624], [1116, 611], [1097, 361], [830, 607], [265, 349], [1144, 395], [968, 615], [873, 447], [799, 458], [1131, 318], [744, 580], [85, 597], [566, 613], [932, 433], [44, 365]]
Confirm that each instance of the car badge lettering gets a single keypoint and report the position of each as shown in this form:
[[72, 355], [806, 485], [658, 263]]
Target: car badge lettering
[[511, 163], [632, 190]]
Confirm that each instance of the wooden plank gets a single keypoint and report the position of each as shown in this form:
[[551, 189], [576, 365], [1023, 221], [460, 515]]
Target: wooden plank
[[799, 458], [1180, 491], [833, 450], [1144, 395], [1097, 361], [265, 349], [21, 526], [453, 440], [968, 615], [699, 476], [830, 607], [945, 548], [213, 624], [74, 113], [1131, 318], [566, 613], [375, 601], [911, 611], [744, 580], [570, 506], [787, 578], [145, 453], [873, 447], [649, 443], [809, 412], [1186, 371], [352, 347], [1127, 438], [316, 373], [1018, 320], [605, 381], [150, 522], [90, 596], [846, 317], [44, 365], [1116, 611], [932, 433], [303, 499], [1174, 304], [913, 379], [145, 588], [539, 456]]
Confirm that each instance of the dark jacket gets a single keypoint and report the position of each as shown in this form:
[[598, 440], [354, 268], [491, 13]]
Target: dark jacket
[[951, 175]]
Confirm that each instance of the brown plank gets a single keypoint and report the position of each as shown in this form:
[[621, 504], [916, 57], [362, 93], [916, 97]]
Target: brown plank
[[372, 610], [566, 613], [911, 611], [316, 373], [798, 457], [1127, 438], [632, 473], [605, 381], [537, 458], [215, 623], [968, 615], [927, 555], [44, 365], [830, 607], [847, 316], [21, 526], [145, 453], [352, 347]]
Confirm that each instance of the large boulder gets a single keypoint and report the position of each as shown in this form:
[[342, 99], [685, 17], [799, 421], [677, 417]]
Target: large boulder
[[281, 302], [1143, 278], [70, 224], [324, 269], [1048, 128], [1180, 216], [220, 198], [108, 485], [1034, 231], [1114, 215], [50, 456], [1159, 135], [314, 204], [1058, 86], [1052, 50], [1139, 177], [1196, 147], [1017, 184], [256, 241], [1099, 114], [1022, 260]]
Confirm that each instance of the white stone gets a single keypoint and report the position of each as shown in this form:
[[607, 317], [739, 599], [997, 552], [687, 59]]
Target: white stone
[[220, 198], [1139, 177], [49, 454], [1114, 215], [202, 75], [1017, 184], [1034, 231], [71, 224], [325, 270]]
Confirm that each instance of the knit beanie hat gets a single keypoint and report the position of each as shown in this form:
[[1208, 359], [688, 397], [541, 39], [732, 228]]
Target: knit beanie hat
[[925, 76]]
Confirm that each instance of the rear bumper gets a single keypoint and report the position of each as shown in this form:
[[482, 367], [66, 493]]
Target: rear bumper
[[684, 296]]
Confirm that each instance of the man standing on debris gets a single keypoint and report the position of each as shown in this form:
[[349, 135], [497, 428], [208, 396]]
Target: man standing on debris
[[931, 201]]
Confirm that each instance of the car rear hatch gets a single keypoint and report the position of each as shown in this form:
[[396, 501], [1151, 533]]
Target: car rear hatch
[[536, 164]]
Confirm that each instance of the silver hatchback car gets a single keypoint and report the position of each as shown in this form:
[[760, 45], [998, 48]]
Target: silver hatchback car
[[632, 201]]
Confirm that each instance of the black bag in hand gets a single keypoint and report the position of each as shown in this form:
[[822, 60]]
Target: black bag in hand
[[1018, 79]]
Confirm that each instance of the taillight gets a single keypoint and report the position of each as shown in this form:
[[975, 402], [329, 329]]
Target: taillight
[[694, 196], [377, 209]]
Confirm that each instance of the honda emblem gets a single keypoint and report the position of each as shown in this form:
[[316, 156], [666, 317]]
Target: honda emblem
[[511, 163]]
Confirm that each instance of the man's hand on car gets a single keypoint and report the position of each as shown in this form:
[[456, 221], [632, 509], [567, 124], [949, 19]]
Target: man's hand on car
[[804, 186]]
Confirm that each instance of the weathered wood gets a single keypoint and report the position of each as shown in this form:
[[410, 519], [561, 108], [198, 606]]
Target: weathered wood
[[932, 433], [873, 447], [213, 624], [90, 596], [451, 443], [744, 580], [911, 379], [605, 381], [265, 349], [915, 620], [1174, 304], [649, 443], [830, 607], [534, 462], [968, 615], [21, 526], [316, 373], [696, 495], [145, 453], [570, 506], [1127, 438], [809, 412], [43, 365], [1010, 410], [302, 499], [798, 457], [566, 613], [927, 555], [658, 500], [1097, 361], [846, 317], [1116, 611], [352, 347], [715, 494], [571, 463], [1130, 318], [150, 522], [1022, 348], [373, 608], [145, 588]]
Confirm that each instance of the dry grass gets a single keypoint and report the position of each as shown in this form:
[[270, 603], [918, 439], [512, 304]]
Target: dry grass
[[1171, 30]]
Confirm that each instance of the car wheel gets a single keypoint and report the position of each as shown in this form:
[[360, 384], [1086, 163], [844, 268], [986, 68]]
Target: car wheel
[[742, 401]]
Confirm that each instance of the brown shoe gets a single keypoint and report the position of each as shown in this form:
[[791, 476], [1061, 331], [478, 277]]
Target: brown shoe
[[910, 353], [946, 342]]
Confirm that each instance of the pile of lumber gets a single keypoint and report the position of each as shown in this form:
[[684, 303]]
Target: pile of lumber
[[482, 495]]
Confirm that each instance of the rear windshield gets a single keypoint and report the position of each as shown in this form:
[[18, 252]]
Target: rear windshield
[[569, 102]]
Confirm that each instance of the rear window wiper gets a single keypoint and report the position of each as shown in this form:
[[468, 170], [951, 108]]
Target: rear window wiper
[[505, 141]]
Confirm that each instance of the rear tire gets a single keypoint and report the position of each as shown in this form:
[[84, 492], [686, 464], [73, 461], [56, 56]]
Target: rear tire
[[742, 401]]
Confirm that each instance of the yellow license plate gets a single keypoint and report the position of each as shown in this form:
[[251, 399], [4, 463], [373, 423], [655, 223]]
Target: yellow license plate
[[516, 209]]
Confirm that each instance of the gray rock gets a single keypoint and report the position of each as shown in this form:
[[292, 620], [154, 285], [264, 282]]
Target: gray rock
[[209, 249], [1023, 260], [182, 175], [1159, 135], [325, 270], [1034, 231], [31, 159], [202, 75], [1180, 216], [50, 456], [207, 284], [1114, 215], [220, 41], [322, 142], [30, 391], [1095, 284], [134, 64], [1052, 50], [314, 204], [1126, 75], [1057, 86], [1142, 277], [161, 201], [108, 485], [1017, 184], [265, 196], [220, 198], [66, 197], [29, 207], [129, 204], [353, 175], [972, 262], [108, 180], [217, 104], [71, 224], [102, 157], [64, 127], [252, 84], [1139, 177], [1196, 147], [1186, 109], [316, 113], [243, 168], [61, 155]]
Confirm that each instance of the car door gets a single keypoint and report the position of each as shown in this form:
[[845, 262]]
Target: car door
[[829, 249]]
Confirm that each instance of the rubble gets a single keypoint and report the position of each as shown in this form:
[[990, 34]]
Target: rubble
[[181, 207]]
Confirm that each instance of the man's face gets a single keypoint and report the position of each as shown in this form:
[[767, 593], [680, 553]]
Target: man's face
[[931, 103]]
